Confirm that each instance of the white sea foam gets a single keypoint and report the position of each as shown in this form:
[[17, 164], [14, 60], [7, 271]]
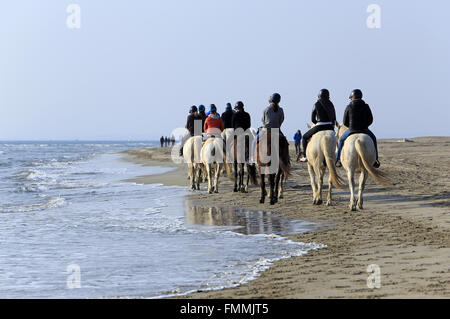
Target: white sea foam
[[47, 204]]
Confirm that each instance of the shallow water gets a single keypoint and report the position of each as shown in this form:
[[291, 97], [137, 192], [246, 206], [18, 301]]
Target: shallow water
[[246, 222], [64, 206]]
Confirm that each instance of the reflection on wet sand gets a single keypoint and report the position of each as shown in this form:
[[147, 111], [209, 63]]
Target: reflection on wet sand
[[249, 222]]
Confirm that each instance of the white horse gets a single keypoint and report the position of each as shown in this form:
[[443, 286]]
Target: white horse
[[320, 153], [192, 157], [212, 157], [358, 155]]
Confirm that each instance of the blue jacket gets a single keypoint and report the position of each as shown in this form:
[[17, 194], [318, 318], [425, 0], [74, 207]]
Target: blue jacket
[[297, 138]]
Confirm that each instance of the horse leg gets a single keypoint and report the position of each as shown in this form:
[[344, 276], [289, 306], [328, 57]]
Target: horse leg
[[263, 189], [329, 191], [191, 175], [241, 177], [216, 178], [277, 184], [351, 185], [235, 177], [198, 173], [209, 174], [362, 184], [281, 187], [312, 177], [248, 178], [272, 189], [321, 171]]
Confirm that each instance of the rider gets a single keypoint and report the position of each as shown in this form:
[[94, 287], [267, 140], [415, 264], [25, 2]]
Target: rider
[[273, 117], [240, 119], [190, 124], [357, 117], [227, 116], [213, 123], [323, 116], [202, 115]]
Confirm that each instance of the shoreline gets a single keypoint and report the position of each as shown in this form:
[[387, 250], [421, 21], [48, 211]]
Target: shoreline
[[403, 230]]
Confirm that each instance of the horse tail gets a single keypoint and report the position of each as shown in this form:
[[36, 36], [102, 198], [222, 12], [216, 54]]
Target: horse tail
[[330, 158], [252, 172], [378, 175], [285, 159]]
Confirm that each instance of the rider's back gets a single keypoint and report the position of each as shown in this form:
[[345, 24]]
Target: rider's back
[[272, 118], [241, 119], [358, 116]]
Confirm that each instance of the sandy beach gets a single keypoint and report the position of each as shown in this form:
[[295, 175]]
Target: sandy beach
[[404, 229]]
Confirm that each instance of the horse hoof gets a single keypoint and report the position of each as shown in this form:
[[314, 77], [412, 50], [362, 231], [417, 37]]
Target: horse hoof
[[281, 197], [209, 192], [261, 201], [319, 202], [272, 202], [216, 191], [353, 208], [329, 203], [235, 190]]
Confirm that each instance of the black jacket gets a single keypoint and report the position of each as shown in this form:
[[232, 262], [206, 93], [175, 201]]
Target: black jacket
[[227, 117], [323, 111], [202, 116], [358, 116], [190, 122], [241, 119]]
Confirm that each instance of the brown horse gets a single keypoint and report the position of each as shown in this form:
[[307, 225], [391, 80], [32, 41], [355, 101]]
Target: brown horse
[[272, 157]]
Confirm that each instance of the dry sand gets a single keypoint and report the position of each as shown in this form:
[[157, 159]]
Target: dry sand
[[404, 229]]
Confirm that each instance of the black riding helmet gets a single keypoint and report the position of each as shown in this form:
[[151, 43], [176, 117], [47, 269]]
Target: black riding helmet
[[324, 94], [239, 105], [275, 98], [357, 94], [193, 109]]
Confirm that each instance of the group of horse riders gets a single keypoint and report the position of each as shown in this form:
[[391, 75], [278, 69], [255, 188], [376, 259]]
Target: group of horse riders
[[357, 117]]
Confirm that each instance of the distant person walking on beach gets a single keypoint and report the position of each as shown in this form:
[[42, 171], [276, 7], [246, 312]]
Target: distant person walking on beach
[[297, 140], [323, 116], [161, 140], [190, 125], [173, 140], [357, 117]]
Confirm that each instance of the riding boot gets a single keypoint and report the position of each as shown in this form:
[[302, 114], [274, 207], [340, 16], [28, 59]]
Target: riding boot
[[376, 164]]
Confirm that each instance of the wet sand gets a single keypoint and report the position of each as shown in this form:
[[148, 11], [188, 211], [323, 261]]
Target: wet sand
[[405, 229]]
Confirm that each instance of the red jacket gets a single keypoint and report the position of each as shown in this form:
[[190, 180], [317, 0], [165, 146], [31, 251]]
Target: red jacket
[[213, 122]]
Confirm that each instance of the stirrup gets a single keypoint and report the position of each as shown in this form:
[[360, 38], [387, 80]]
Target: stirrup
[[338, 163], [376, 164]]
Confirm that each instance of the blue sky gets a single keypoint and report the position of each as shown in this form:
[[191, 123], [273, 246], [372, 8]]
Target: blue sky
[[134, 68]]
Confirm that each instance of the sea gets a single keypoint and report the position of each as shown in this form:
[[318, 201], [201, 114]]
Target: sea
[[71, 226]]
